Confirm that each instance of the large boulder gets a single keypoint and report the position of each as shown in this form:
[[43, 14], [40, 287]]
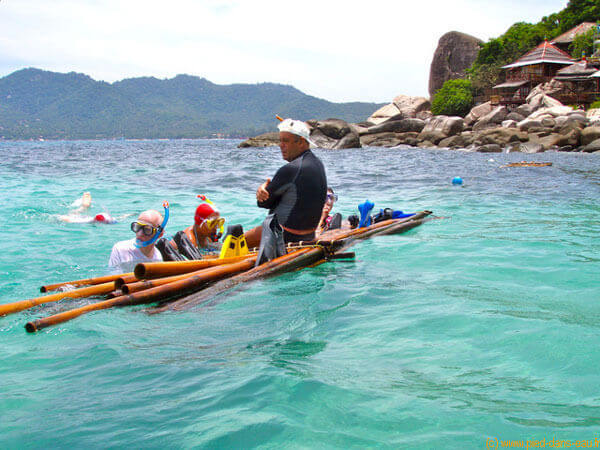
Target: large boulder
[[333, 134], [384, 113], [489, 148], [263, 140], [548, 141], [590, 134], [446, 125], [508, 123], [480, 126], [548, 122], [570, 121], [542, 101], [455, 53], [578, 113], [496, 116], [453, 142], [411, 106], [398, 126], [528, 147], [525, 110], [571, 138], [388, 139], [477, 113], [321, 140], [514, 116], [424, 115], [593, 116], [551, 87], [553, 111], [501, 136], [351, 140], [462, 140], [333, 128], [360, 128], [592, 147], [402, 107], [426, 138], [527, 124]]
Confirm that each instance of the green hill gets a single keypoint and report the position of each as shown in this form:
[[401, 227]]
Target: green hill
[[36, 103]]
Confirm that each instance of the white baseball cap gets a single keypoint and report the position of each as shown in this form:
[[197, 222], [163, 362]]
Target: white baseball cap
[[296, 127]]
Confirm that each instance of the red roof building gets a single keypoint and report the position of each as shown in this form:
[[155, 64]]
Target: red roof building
[[534, 67]]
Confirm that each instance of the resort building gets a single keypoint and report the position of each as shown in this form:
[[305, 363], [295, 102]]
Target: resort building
[[566, 39], [551, 60], [537, 66], [581, 83]]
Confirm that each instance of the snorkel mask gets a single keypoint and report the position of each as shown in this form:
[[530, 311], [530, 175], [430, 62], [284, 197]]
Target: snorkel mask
[[220, 229], [161, 228]]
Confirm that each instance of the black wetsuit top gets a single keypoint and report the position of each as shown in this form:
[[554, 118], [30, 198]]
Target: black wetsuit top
[[297, 193]]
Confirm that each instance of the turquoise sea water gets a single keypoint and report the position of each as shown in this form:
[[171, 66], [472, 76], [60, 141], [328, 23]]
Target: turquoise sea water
[[481, 326]]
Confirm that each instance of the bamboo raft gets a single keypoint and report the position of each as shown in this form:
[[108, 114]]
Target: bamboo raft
[[179, 285]]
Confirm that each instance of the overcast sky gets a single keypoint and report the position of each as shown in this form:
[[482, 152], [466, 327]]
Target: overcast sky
[[336, 50]]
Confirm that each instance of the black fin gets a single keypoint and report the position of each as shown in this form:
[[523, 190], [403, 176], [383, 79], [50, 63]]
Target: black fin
[[167, 251], [336, 222], [186, 247], [353, 220]]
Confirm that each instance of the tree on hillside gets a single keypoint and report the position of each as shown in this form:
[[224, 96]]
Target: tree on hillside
[[455, 98], [577, 11], [486, 71], [584, 43]]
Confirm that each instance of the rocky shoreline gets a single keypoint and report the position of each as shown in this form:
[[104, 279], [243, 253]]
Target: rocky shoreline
[[541, 124]]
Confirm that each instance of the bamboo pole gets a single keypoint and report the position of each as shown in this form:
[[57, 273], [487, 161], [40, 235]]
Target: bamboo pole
[[363, 233], [298, 258], [174, 288], [137, 286], [98, 289], [341, 256], [124, 280], [113, 294], [84, 282], [168, 268], [303, 257], [402, 227]]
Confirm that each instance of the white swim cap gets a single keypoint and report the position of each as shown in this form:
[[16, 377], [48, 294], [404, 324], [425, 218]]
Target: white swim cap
[[296, 127]]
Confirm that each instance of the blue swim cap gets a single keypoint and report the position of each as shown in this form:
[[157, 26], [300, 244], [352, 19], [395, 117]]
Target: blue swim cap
[[457, 180]]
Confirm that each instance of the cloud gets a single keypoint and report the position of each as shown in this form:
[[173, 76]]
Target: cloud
[[336, 50]]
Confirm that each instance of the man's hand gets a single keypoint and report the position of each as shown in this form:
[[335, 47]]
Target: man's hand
[[261, 193]]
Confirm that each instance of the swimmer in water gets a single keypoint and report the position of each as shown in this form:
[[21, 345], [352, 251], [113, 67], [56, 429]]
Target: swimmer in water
[[82, 205]]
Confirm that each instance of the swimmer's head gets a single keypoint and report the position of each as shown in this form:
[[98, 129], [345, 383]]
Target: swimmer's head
[[104, 218]]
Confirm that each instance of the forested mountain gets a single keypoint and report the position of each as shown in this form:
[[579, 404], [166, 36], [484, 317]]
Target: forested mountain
[[41, 104]]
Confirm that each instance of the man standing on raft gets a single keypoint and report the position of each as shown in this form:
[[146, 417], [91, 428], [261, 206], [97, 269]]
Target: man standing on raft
[[298, 189]]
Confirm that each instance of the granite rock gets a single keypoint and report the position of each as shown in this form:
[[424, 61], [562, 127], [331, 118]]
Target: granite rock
[[455, 53]]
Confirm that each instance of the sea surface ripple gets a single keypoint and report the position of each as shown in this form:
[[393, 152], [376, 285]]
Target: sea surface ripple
[[481, 324]]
